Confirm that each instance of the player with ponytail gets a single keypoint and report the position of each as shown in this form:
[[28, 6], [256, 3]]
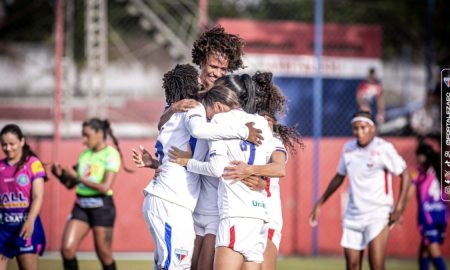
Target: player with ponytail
[[22, 179], [94, 207]]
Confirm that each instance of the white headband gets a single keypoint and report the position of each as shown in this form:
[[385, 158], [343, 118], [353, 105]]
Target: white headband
[[363, 119]]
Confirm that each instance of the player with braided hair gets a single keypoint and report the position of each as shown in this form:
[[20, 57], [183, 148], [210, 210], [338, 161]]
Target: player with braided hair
[[185, 79], [94, 207], [170, 198]]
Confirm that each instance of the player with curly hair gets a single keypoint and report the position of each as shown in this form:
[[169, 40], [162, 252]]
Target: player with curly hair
[[268, 101], [253, 98], [216, 52], [171, 197]]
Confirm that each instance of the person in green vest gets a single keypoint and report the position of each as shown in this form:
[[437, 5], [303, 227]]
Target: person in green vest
[[94, 207]]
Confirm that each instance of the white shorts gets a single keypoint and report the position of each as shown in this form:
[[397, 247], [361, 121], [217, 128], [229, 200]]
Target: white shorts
[[172, 230], [247, 236], [275, 221], [204, 224], [274, 235], [358, 234]]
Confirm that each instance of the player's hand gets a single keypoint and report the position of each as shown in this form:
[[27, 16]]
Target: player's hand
[[255, 183], [70, 172], [157, 171], [179, 156], [27, 229], [239, 171], [184, 105], [56, 170], [254, 134], [314, 216], [144, 158], [394, 218]]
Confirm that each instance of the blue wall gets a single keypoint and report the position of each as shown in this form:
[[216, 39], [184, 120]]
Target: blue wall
[[339, 104]]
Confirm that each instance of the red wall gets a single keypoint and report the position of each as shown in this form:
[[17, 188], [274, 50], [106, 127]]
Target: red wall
[[131, 234]]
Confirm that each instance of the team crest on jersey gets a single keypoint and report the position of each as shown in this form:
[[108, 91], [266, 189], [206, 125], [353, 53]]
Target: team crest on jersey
[[181, 254], [23, 180]]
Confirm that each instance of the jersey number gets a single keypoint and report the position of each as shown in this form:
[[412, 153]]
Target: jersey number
[[244, 145], [159, 151]]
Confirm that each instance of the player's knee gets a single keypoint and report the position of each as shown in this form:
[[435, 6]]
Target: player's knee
[[68, 252], [377, 265], [353, 265]]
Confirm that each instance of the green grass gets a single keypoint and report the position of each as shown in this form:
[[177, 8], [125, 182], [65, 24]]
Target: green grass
[[287, 263]]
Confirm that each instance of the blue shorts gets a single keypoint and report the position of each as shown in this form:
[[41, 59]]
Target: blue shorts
[[12, 245], [432, 233]]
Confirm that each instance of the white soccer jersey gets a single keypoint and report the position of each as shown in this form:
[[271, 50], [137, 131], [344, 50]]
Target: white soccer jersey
[[174, 183], [369, 170], [207, 200], [237, 200], [273, 191]]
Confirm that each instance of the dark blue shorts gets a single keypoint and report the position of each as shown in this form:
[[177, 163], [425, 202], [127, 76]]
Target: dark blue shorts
[[433, 233], [12, 245]]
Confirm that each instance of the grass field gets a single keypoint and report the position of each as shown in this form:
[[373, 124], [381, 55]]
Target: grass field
[[130, 262]]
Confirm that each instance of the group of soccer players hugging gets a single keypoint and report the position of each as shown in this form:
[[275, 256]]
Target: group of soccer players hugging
[[214, 202]]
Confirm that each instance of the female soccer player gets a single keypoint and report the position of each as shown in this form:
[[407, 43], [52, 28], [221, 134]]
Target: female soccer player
[[369, 162], [168, 207], [432, 214], [216, 52], [270, 104], [94, 207], [242, 233], [22, 178]]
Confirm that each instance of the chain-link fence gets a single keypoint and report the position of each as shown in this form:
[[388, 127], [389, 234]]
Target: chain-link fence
[[146, 38]]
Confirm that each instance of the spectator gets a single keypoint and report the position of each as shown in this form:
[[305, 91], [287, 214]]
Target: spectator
[[426, 122], [369, 96]]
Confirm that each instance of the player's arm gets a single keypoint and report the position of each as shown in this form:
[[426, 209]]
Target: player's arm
[[200, 128], [241, 170], [214, 167], [334, 184], [180, 106], [405, 183], [396, 165], [37, 197], [144, 158]]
